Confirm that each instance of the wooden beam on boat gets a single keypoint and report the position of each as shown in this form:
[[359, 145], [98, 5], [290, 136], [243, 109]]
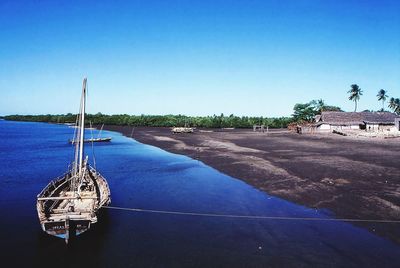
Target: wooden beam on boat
[[64, 198]]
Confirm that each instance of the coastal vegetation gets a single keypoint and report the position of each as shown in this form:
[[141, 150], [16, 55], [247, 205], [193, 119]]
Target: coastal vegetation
[[302, 112], [215, 121], [307, 111], [356, 92]]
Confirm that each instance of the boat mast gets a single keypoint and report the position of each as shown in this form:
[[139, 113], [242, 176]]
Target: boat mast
[[82, 125], [76, 141]]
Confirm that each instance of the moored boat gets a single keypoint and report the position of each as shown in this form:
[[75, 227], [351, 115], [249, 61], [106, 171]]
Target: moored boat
[[92, 140], [68, 205]]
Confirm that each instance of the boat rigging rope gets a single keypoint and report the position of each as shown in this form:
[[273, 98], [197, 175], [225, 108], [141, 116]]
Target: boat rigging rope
[[255, 217]]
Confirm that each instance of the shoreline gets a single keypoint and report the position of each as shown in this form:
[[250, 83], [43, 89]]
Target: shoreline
[[353, 178]]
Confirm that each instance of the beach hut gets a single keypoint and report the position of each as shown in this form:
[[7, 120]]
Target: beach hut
[[370, 121]]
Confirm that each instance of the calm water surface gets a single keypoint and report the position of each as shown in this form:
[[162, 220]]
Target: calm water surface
[[141, 176]]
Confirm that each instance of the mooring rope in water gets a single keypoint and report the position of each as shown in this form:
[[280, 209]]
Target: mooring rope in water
[[249, 216]]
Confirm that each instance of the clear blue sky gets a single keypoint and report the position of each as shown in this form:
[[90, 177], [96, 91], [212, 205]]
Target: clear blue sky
[[196, 57]]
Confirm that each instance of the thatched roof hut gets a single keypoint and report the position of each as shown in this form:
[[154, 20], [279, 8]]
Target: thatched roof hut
[[356, 118]]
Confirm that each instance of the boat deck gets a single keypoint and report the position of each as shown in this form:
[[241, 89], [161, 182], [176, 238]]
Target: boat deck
[[75, 208]]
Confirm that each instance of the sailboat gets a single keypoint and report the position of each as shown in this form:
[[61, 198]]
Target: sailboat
[[69, 204], [98, 139]]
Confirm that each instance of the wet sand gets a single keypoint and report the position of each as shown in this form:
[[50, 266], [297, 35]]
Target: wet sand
[[352, 177]]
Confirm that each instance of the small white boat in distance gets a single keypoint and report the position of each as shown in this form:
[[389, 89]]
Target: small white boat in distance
[[92, 140]]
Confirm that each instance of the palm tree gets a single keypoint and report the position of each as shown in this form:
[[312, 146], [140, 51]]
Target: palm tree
[[355, 93], [320, 105], [397, 106], [392, 104], [382, 97]]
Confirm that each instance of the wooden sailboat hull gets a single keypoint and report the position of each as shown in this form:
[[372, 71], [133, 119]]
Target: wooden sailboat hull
[[66, 229], [65, 214]]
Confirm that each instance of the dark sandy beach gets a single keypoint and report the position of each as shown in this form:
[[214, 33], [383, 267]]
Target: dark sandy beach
[[352, 177]]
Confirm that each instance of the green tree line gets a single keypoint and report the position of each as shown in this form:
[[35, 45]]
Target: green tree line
[[215, 121], [303, 112]]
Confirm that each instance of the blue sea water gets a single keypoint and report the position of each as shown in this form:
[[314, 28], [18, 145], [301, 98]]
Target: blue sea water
[[142, 176]]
